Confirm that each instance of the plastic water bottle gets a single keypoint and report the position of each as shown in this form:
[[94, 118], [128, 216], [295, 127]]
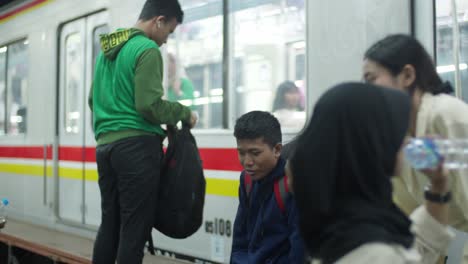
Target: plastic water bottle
[[3, 203], [426, 153]]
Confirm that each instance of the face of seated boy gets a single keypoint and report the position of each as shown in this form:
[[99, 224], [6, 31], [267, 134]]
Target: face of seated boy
[[257, 157]]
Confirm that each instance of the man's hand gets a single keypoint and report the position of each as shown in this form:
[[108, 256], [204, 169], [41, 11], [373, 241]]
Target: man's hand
[[193, 119]]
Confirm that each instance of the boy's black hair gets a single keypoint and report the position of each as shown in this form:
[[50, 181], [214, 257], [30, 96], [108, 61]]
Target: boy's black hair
[[258, 124], [168, 8]]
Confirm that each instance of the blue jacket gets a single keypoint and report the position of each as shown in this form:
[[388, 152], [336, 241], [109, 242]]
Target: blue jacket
[[262, 232]]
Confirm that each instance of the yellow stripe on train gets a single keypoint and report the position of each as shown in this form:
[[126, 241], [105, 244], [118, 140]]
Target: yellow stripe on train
[[221, 187]]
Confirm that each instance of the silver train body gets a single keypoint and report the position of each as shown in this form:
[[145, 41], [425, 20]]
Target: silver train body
[[47, 163]]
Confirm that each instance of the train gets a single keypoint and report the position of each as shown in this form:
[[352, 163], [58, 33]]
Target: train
[[235, 52]]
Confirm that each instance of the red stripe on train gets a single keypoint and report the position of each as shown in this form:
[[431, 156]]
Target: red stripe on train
[[32, 152], [21, 9], [77, 154], [213, 158], [220, 159]]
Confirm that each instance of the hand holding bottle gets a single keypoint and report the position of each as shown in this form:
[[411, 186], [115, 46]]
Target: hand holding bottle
[[427, 153]]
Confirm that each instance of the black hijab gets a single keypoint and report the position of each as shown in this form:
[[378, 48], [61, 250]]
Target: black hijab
[[342, 166]]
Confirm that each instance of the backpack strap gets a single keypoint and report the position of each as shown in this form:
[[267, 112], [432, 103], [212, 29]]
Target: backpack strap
[[247, 183], [281, 192]]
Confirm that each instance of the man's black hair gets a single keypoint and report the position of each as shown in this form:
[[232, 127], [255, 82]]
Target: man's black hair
[[258, 124], [167, 8]]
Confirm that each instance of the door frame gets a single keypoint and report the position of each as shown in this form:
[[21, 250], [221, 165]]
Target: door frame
[[58, 124]]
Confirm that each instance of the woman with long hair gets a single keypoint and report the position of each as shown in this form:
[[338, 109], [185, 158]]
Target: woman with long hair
[[400, 62], [287, 106]]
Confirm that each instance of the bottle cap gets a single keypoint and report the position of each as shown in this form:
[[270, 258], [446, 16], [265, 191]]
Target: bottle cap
[[5, 201]]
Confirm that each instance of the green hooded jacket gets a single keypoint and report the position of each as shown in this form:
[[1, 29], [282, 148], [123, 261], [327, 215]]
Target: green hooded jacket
[[126, 95]]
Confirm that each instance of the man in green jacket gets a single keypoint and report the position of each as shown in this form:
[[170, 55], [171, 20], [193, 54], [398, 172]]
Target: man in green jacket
[[128, 109]]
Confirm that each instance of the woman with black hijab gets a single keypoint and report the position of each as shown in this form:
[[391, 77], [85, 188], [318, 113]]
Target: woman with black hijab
[[341, 174]]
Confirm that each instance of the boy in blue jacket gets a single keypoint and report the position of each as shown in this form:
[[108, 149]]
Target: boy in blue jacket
[[266, 226]]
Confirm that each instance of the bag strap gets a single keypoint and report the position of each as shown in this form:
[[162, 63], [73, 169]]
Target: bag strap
[[171, 131], [280, 188], [281, 192], [151, 246]]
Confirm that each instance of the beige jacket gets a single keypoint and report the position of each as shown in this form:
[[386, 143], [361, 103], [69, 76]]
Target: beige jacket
[[432, 239], [446, 116]]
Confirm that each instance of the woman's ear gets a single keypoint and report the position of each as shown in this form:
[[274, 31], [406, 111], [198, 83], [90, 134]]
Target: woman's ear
[[407, 76]]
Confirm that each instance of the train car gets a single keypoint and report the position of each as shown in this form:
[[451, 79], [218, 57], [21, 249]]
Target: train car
[[234, 52]]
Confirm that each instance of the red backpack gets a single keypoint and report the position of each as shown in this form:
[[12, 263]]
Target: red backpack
[[280, 188]]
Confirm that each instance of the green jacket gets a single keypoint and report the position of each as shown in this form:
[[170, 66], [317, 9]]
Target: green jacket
[[126, 95]]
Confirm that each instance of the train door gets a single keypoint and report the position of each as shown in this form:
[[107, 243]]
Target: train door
[[78, 195]]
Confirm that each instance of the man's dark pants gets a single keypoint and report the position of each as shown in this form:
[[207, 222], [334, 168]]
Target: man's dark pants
[[129, 172]]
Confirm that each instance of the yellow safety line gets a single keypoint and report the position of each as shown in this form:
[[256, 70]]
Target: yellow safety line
[[221, 187]]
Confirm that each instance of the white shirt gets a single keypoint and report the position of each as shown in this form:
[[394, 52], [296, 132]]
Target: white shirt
[[431, 241]]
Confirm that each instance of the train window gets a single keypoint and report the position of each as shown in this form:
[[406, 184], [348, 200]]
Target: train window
[[73, 82], [194, 61], [194, 77], [444, 44], [14, 68], [3, 51], [267, 48], [269, 38], [96, 43]]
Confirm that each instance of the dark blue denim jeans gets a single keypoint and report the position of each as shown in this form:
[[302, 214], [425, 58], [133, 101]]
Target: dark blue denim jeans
[[129, 173]]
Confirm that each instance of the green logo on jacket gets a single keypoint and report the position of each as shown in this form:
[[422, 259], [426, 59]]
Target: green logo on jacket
[[114, 39]]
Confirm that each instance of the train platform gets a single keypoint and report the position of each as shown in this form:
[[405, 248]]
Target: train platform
[[53, 246]]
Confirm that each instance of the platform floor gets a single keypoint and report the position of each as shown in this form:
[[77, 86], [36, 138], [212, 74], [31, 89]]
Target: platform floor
[[44, 241]]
